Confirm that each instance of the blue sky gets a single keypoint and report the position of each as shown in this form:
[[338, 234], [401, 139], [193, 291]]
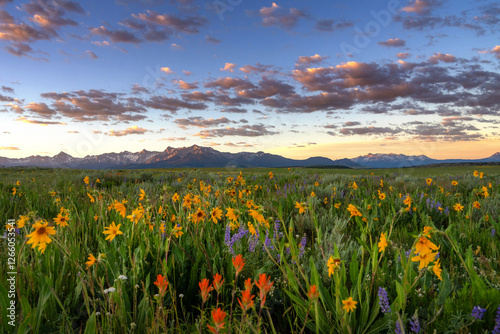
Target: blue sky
[[331, 78]]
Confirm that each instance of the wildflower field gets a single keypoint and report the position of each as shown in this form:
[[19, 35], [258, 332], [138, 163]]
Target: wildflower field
[[251, 251]]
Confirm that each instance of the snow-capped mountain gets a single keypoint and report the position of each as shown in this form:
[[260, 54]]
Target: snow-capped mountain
[[199, 156], [193, 156], [392, 160]]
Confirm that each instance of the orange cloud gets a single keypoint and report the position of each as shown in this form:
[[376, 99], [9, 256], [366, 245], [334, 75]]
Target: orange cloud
[[228, 67], [167, 70], [133, 130], [43, 123], [9, 148]]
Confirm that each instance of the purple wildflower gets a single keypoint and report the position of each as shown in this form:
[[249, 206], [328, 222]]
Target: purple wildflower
[[493, 232], [398, 328], [383, 300], [415, 324], [478, 312], [496, 329], [302, 246]]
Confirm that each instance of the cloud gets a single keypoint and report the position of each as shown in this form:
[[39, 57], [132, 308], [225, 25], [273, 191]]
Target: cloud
[[9, 148], [4, 2], [239, 144], [19, 49], [198, 96], [258, 68], [229, 67], [133, 130], [445, 58], [138, 89], [228, 83], [332, 25], [212, 40], [201, 122], [403, 55], [190, 24], [174, 139], [393, 42], [97, 105], [116, 36], [73, 131], [4, 98], [280, 17], [352, 123], [305, 60], [267, 88], [171, 104], [91, 54], [5, 17], [39, 122], [369, 130], [187, 86], [496, 51], [235, 110], [244, 131], [166, 70], [41, 110], [421, 6], [8, 89]]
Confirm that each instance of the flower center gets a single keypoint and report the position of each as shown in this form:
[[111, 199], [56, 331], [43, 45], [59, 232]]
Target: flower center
[[41, 230]]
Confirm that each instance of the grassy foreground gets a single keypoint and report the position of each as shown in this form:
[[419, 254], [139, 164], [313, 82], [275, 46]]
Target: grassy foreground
[[261, 250]]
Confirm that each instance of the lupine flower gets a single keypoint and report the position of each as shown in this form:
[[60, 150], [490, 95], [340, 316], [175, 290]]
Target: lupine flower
[[383, 300], [398, 328], [349, 305], [496, 329], [415, 324], [478, 312]]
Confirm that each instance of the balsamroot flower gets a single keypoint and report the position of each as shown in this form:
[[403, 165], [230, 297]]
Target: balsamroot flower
[[349, 305]]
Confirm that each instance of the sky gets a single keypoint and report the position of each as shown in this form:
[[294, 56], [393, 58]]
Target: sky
[[336, 78]]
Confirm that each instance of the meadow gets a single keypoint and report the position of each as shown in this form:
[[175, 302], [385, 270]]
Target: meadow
[[252, 251]]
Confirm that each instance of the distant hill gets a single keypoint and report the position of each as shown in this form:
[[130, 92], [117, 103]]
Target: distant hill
[[199, 156], [193, 156], [392, 160]]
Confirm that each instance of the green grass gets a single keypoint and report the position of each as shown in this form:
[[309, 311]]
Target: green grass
[[57, 293]]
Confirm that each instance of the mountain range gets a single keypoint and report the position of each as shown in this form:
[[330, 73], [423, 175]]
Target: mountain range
[[198, 156]]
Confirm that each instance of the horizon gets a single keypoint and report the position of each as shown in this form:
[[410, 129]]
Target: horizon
[[288, 78], [312, 156]]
